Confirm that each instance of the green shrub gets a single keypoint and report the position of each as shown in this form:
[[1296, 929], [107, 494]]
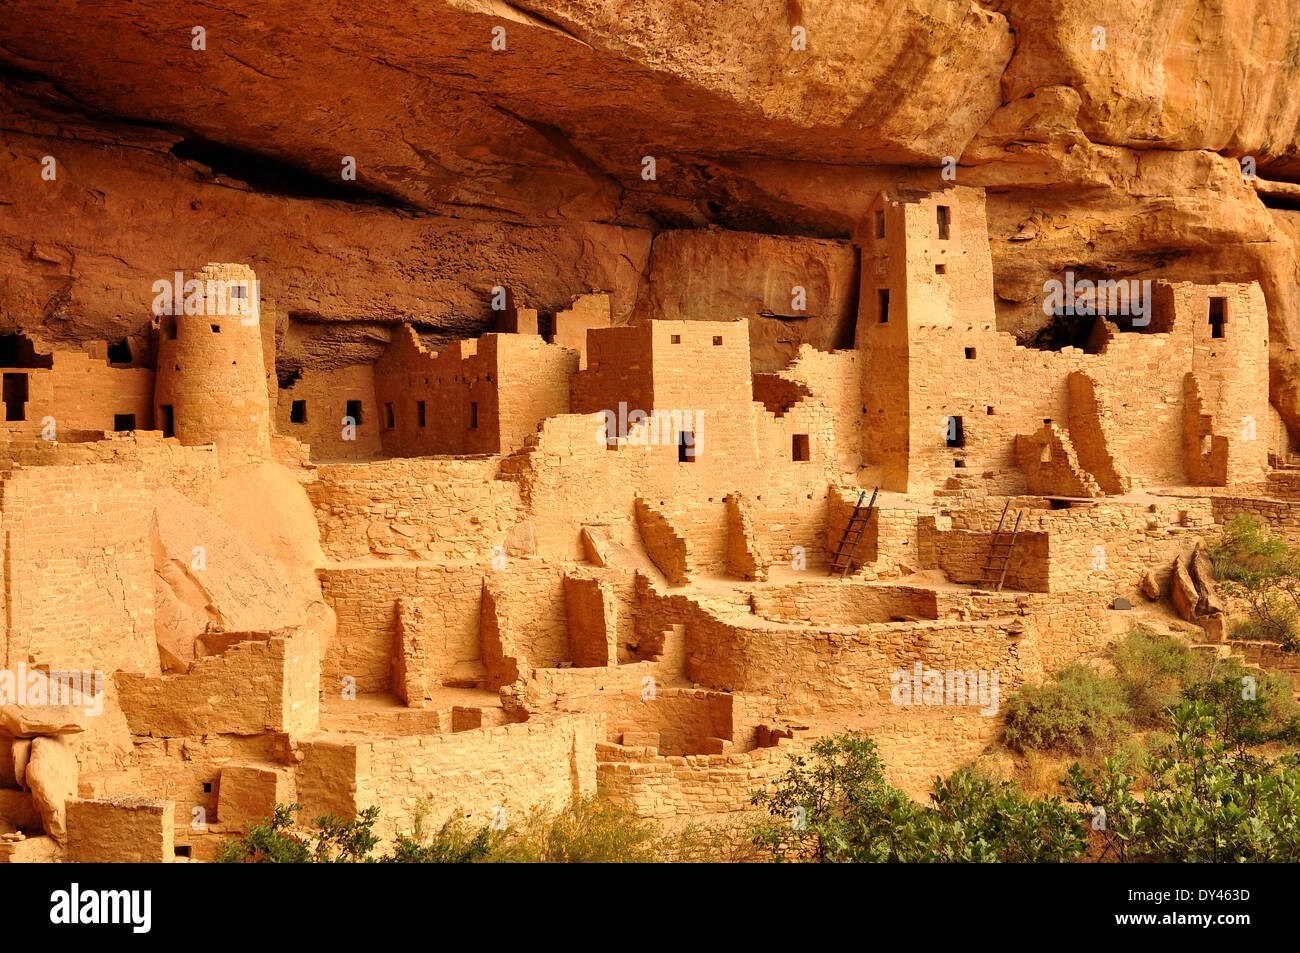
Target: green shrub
[[1264, 572], [834, 805], [1152, 671], [1076, 713], [1204, 804], [589, 830]]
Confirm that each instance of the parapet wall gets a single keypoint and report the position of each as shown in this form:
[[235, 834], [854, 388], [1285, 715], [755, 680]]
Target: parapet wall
[[253, 687], [423, 508], [543, 761]]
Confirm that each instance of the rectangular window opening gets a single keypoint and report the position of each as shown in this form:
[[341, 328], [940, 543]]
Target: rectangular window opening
[[168, 421], [390, 419], [941, 269], [354, 411], [800, 451], [717, 340], [298, 412], [880, 224], [956, 432], [15, 396], [123, 422], [419, 413], [970, 354], [944, 216], [1218, 316], [882, 296], [685, 447], [473, 415]]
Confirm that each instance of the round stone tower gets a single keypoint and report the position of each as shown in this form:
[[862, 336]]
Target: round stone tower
[[211, 381]]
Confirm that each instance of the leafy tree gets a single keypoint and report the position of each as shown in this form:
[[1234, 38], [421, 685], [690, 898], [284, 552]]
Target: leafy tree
[[1264, 572], [269, 841], [835, 806], [1204, 803]]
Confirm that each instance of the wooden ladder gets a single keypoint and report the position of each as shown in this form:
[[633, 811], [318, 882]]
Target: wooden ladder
[[853, 532], [994, 572]]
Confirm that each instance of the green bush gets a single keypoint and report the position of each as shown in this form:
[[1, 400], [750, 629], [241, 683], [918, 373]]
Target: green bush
[[589, 830], [1264, 572], [1205, 803], [1152, 671], [834, 805], [1079, 712]]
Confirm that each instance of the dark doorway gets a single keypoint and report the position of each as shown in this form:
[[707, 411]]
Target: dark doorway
[[800, 451], [883, 294], [119, 353], [123, 422], [685, 447], [15, 396], [1218, 316], [354, 411], [168, 420], [944, 218], [298, 412], [419, 413], [956, 432], [17, 351]]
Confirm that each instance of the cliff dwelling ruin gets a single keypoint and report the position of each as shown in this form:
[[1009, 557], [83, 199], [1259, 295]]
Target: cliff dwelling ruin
[[468, 485]]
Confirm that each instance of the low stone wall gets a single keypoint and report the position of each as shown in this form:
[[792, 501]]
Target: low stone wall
[[663, 787], [844, 603], [417, 508], [545, 760], [257, 686]]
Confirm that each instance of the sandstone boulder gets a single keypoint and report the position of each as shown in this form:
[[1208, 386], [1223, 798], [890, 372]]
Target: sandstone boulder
[[52, 777]]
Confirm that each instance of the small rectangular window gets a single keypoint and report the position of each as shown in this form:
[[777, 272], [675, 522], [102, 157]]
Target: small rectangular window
[[298, 412], [956, 433], [685, 447], [390, 419], [473, 415], [880, 224], [168, 421], [944, 218], [800, 452], [119, 353], [717, 340], [674, 339], [15, 396], [941, 269], [1218, 316], [419, 413], [216, 328], [882, 295], [970, 354], [354, 411], [123, 422]]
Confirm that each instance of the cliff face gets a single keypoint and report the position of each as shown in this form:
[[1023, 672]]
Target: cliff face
[[1109, 134]]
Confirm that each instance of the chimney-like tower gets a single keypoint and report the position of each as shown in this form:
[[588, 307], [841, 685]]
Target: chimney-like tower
[[211, 382]]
